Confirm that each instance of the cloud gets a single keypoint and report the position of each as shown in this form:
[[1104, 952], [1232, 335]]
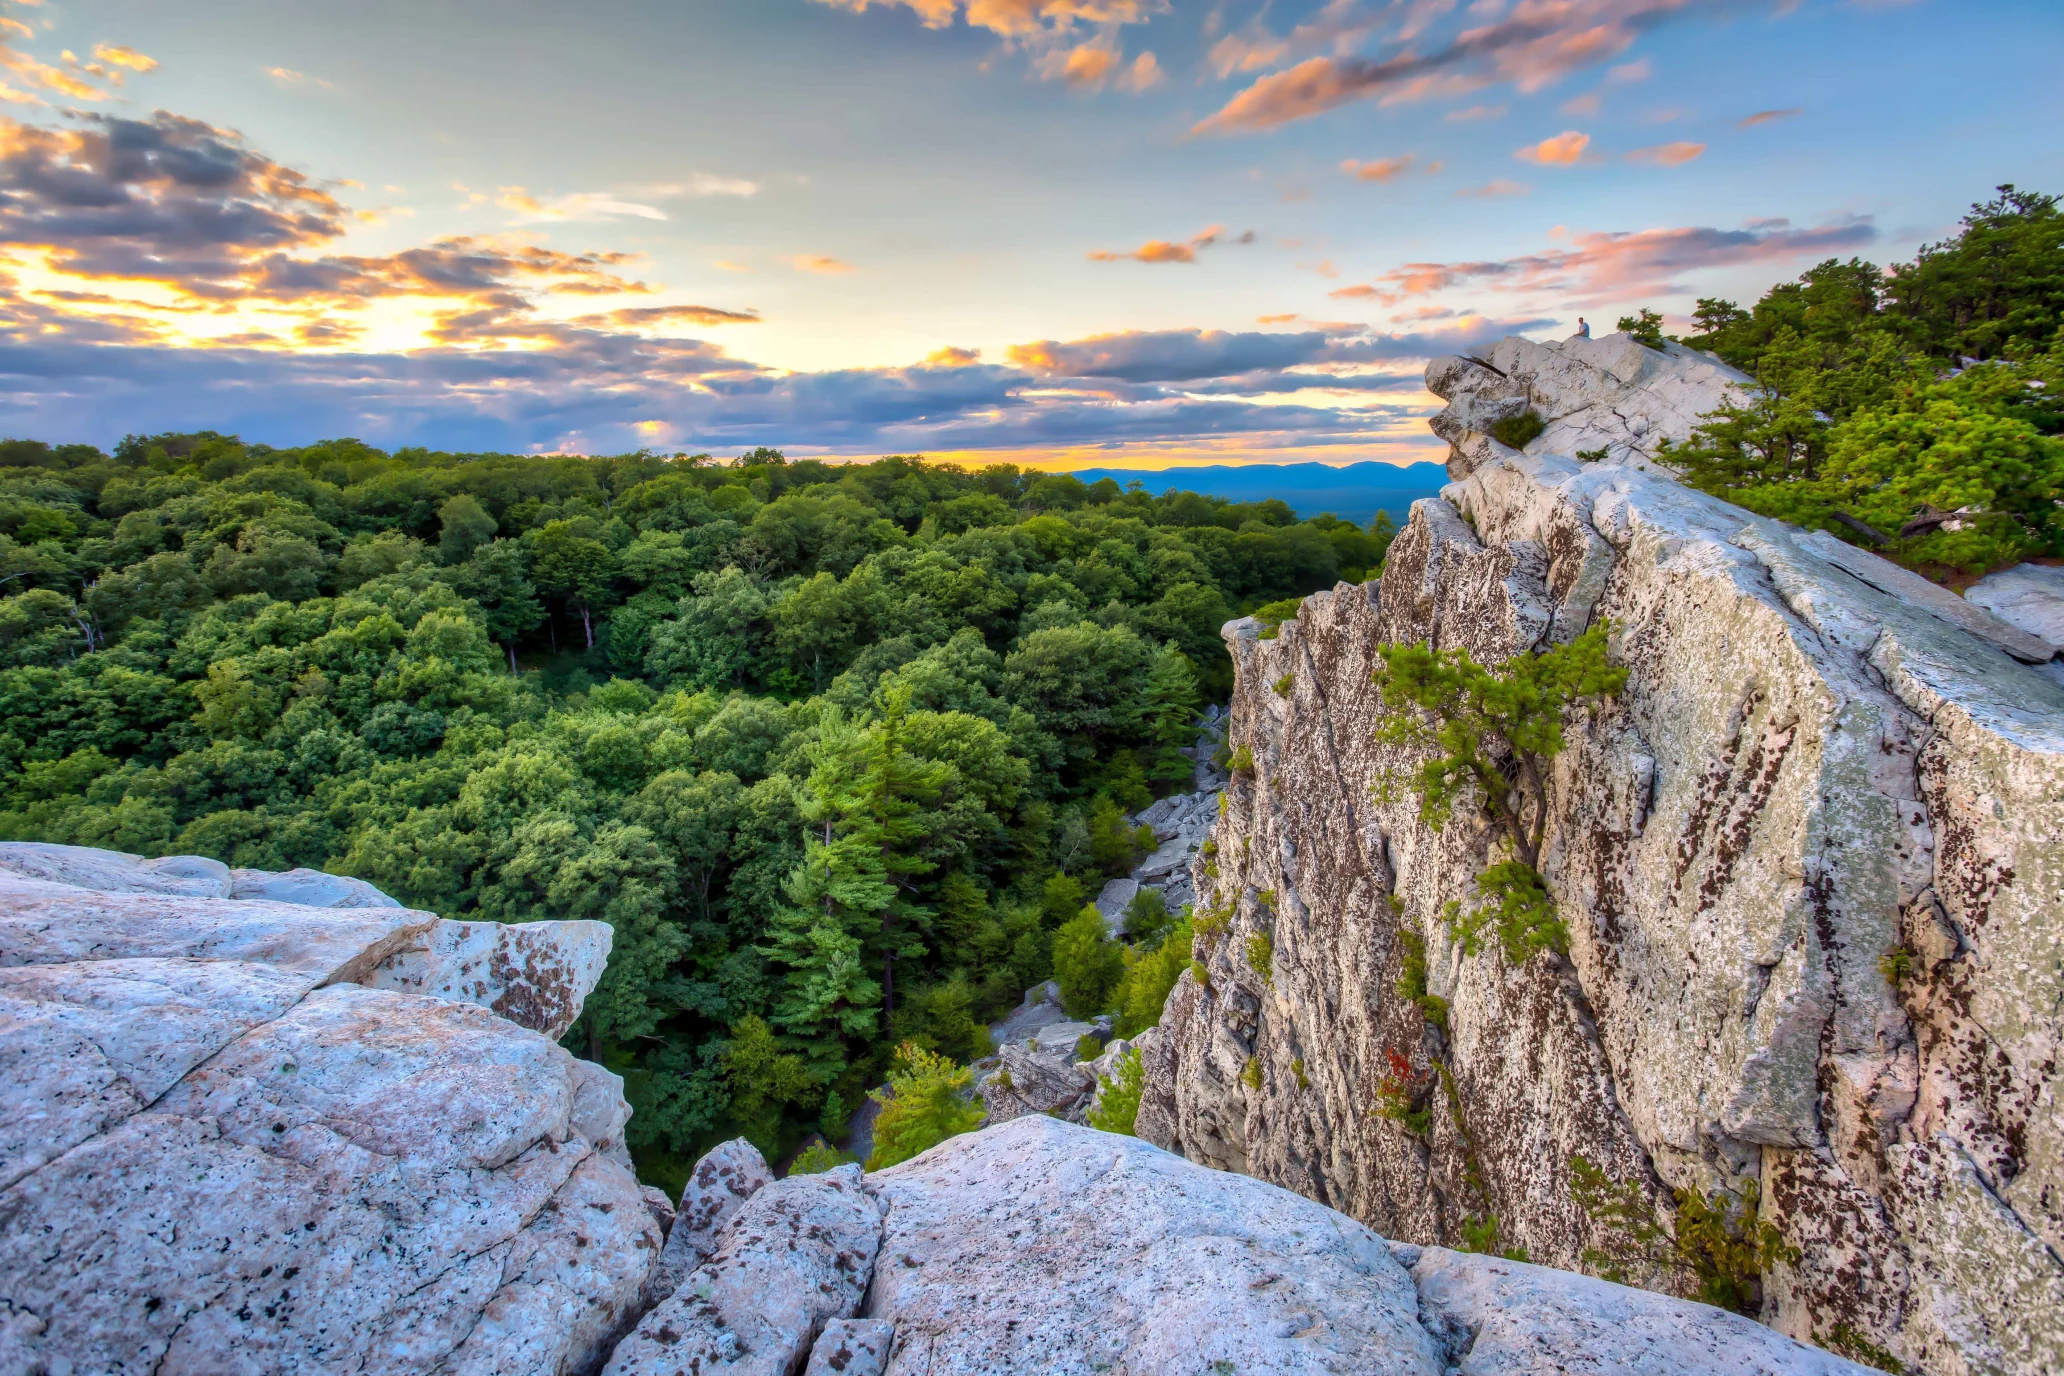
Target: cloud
[[1767, 116], [1629, 73], [1381, 169], [1474, 112], [820, 264], [1648, 262], [1087, 65], [1563, 150], [1533, 45], [1163, 251], [287, 76], [117, 56], [1589, 103], [1667, 154], [724, 265], [953, 356], [1144, 74], [1246, 52], [578, 205], [1502, 186], [632, 317]]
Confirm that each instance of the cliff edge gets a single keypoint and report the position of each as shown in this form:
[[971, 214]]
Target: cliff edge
[[1811, 863]]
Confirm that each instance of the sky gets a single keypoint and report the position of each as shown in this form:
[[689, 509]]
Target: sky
[[1059, 232]]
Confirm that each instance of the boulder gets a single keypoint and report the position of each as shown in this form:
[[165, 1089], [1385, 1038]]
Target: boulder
[[219, 1152], [851, 1347], [1046, 1080], [310, 888], [1112, 901], [1044, 1247], [109, 871], [798, 1253], [535, 974], [2028, 596], [1506, 1318], [723, 1180]]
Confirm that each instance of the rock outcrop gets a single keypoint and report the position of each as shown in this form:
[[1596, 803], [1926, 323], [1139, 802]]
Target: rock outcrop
[[220, 1150], [225, 1150], [1811, 863]]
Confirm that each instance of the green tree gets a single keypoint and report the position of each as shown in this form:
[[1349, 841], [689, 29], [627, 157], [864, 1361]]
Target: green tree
[[1086, 963], [572, 565], [927, 1100], [1117, 1106], [464, 526]]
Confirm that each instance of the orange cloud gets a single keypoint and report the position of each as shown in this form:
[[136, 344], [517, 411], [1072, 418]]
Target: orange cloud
[[1563, 150], [953, 356], [1015, 19], [117, 56], [1380, 170], [632, 317], [1766, 116], [1667, 154], [1162, 251], [1087, 65], [1144, 72], [1245, 53], [1588, 104], [578, 205], [1624, 264], [1530, 46], [819, 263]]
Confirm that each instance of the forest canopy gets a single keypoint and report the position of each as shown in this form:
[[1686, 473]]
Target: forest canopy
[[1916, 410], [835, 748]]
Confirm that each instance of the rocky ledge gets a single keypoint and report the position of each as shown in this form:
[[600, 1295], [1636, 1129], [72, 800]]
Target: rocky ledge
[[1810, 863], [335, 1135]]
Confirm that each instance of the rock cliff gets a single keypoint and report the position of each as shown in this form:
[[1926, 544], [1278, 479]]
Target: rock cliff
[[333, 1135], [1811, 861]]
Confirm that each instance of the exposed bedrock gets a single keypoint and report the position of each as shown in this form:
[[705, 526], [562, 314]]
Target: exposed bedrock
[[1820, 777]]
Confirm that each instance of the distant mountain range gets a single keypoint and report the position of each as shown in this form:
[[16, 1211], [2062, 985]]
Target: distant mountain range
[[1355, 492]]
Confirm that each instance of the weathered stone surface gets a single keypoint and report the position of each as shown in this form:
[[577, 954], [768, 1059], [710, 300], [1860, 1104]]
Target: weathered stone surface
[[535, 974], [1046, 1080], [1506, 1318], [1113, 899], [1812, 768], [368, 1181], [219, 1154], [2028, 596], [109, 871], [310, 888], [797, 1254], [48, 923], [723, 1180], [1044, 1247], [851, 1347]]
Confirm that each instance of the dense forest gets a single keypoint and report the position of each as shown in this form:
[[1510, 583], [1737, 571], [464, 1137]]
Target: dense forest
[[837, 749], [1917, 411]]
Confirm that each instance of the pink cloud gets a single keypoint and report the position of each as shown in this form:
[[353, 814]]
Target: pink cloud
[[1563, 150], [1667, 154]]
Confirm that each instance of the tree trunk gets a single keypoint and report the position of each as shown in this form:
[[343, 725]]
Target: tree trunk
[[587, 627], [511, 648], [888, 984], [552, 630]]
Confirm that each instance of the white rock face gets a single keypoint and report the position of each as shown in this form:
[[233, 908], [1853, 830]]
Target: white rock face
[[535, 974], [1044, 1247], [218, 1153], [1816, 774], [797, 1254], [2029, 596], [851, 1347], [722, 1181], [1506, 1318], [309, 888]]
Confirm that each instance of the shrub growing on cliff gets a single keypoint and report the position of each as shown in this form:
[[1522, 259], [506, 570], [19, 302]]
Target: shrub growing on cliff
[[1718, 1241], [1148, 980], [1117, 1105], [925, 1103], [1517, 432], [1474, 723]]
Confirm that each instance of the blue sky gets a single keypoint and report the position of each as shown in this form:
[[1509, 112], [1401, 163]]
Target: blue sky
[[1117, 232]]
